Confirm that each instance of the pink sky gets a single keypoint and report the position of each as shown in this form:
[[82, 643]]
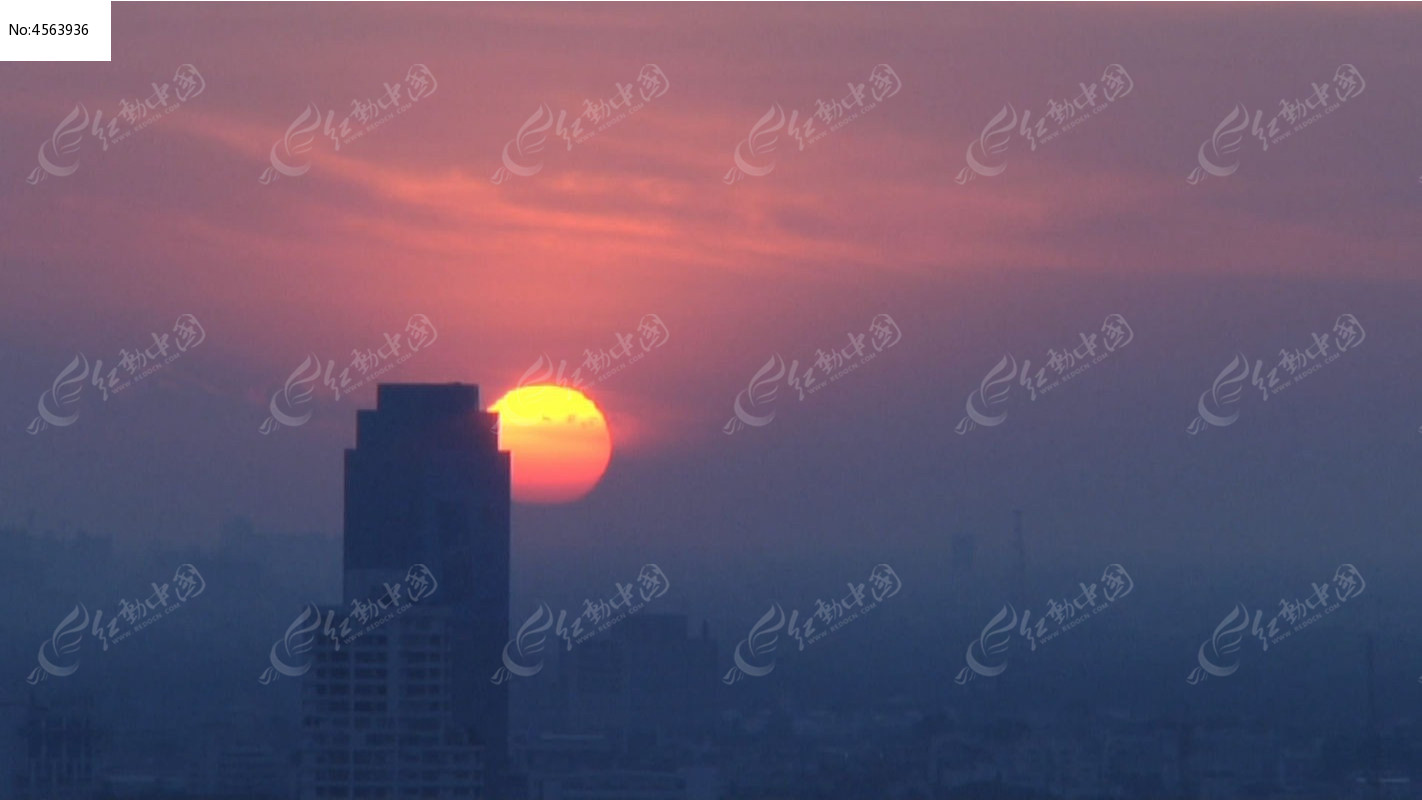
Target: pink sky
[[637, 219]]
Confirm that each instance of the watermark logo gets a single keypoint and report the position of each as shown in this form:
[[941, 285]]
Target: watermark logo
[[59, 654], [294, 646], [603, 362], [290, 155], [987, 655], [1218, 155], [291, 654], [523, 655], [527, 646], [63, 394], [754, 656], [755, 155], [753, 406], [369, 364], [1218, 655], [986, 406], [1217, 406], [522, 155], [985, 154], [59, 155]]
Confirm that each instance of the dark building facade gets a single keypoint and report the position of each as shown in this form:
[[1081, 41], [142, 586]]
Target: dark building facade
[[378, 718], [427, 484]]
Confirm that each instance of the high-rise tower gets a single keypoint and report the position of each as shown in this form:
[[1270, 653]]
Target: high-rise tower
[[427, 484]]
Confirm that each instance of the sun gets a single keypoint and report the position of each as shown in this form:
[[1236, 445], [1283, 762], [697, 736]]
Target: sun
[[558, 439]]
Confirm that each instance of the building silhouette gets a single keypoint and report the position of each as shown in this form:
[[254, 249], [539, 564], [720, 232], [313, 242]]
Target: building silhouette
[[378, 715], [427, 486]]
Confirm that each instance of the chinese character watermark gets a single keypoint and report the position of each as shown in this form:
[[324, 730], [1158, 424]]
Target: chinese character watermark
[[1219, 654], [58, 655], [290, 155], [755, 155], [985, 406], [523, 655], [290, 655], [985, 154], [58, 155], [369, 364], [1216, 407], [754, 656], [137, 364], [986, 655], [522, 155], [753, 406], [1219, 154]]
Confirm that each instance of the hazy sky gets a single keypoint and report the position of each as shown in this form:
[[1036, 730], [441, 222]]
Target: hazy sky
[[638, 219]]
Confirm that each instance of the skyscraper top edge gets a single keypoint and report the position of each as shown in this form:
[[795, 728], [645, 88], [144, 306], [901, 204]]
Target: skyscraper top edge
[[436, 398]]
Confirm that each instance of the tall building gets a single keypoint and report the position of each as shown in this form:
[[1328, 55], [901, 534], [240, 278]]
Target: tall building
[[377, 716], [425, 485]]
